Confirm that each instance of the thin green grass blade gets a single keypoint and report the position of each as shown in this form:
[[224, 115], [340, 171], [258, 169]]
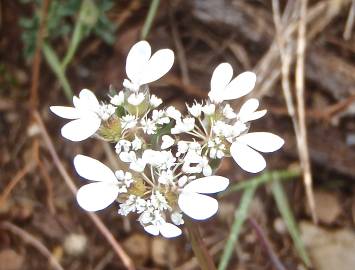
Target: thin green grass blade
[[261, 179], [150, 18], [239, 217], [54, 63], [286, 213]]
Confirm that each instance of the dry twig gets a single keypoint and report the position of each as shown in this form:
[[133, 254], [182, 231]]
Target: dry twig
[[300, 83], [349, 22], [30, 239]]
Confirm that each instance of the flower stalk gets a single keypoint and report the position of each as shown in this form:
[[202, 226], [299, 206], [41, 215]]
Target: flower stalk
[[204, 259]]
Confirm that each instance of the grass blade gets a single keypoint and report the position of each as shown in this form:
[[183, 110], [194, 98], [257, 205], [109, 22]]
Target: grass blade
[[287, 216], [150, 18], [240, 216]]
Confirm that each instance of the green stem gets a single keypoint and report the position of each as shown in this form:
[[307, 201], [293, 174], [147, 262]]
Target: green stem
[[203, 257], [239, 217], [54, 63], [262, 179], [150, 18]]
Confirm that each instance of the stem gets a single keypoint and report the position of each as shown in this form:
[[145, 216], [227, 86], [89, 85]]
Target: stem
[[150, 17], [198, 246]]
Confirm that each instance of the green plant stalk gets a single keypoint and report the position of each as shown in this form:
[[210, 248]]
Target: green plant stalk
[[86, 7], [203, 257], [54, 63], [240, 216], [285, 210], [150, 18], [262, 179]]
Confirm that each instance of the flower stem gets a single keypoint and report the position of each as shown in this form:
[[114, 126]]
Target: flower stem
[[198, 246]]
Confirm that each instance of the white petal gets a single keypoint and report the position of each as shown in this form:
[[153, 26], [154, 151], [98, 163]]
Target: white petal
[[262, 141], [247, 158], [209, 184], [96, 196], [81, 129], [255, 115], [88, 100], [197, 206], [167, 141], [152, 229], [240, 86], [158, 65], [93, 169], [137, 59], [221, 76], [169, 230], [251, 105], [65, 112]]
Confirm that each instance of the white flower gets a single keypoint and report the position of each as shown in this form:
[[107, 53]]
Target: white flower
[[209, 109], [148, 126], [104, 189], [196, 205], [128, 121], [166, 229], [122, 145], [242, 150], [173, 113], [85, 116], [228, 112], [195, 110], [161, 159], [136, 164], [167, 142], [143, 68], [155, 101], [248, 111], [166, 177], [187, 124], [136, 98], [182, 148], [137, 144], [117, 99], [176, 218], [224, 88], [160, 117]]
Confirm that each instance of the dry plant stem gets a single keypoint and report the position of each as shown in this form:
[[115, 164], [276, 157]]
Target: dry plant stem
[[349, 22], [286, 60], [30, 239], [14, 181], [300, 83], [37, 56], [266, 245], [180, 48], [204, 259], [97, 221]]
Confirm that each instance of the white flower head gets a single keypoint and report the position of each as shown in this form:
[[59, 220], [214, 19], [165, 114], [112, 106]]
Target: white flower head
[[228, 112], [117, 99], [104, 189], [187, 124], [128, 121], [85, 116], [136, 98], [155, 101], [143, 68], [195, 110], [242, 150], [224, 88], [167, 142], [194, 203]]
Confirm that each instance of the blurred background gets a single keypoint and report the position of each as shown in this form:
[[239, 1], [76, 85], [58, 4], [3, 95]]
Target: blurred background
[[298, 214]]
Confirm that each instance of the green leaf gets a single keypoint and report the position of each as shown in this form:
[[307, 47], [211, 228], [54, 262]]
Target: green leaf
[[240, 216], [286, 213]]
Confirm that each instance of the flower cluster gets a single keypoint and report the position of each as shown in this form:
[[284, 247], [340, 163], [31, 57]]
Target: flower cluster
[[169, 157]]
